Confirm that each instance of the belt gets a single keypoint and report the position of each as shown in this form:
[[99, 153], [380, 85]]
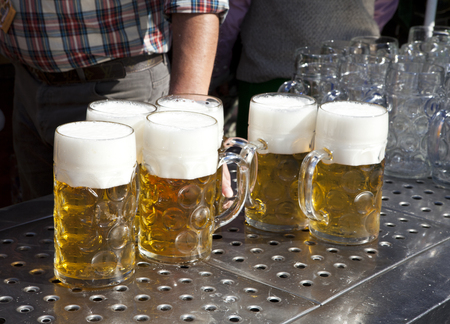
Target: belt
[[111, 70]]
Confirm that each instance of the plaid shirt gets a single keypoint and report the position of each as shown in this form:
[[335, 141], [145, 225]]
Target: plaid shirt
[[60, 35]]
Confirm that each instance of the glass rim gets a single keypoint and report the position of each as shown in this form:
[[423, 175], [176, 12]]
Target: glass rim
[[92, 107], [62, 126], [311, 100], [189, 96], [177, 112], [383, 110]]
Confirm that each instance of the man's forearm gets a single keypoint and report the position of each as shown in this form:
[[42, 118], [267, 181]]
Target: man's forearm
[[194, 48]]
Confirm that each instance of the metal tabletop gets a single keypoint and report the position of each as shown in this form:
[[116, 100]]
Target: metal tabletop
[[252, 276]]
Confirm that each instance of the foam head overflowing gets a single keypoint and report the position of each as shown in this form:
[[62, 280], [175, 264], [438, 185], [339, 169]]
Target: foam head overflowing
[[285, 121], [180, 145], [198, 103], [130, 113], [355, 132], [94, 154]]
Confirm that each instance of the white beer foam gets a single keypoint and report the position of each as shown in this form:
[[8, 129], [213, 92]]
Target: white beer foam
[[212, 107], [355, 132], [94, 154], [130, 113], [285, 121], [180, 145]]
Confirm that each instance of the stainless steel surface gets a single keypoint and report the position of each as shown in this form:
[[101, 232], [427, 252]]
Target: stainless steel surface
[[252, 276]]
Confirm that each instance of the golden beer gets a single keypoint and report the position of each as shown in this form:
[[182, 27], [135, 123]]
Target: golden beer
[[94, 234], [94, 203], [350, 197], [275, 195], [177, 217]]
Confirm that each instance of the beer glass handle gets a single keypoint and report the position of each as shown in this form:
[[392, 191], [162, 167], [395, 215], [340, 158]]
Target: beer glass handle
[[305, 185], [242, 188], [434, 134], [294, 86]]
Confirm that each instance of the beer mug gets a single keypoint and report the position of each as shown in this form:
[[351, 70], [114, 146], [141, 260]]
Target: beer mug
[[316, 74], [340, 181], [178, 187], [131, 113], [280, 132], [95, 203], [378, 45], [438, 148]]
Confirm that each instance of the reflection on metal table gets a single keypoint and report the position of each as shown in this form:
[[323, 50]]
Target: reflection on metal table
[[252, 276]]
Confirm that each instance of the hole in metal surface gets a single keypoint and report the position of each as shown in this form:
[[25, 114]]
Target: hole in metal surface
[[256, 250], [274, 243], [72, 308], [300, 265], [404, 204], [404, 220], [324, 274], [210, 308], [77, 290], [11, 281], [3, 256], [119, 308], [7, 241], [306, 283], [388, 181], [234, 318], [97, 298], [399, 237], [164, 288], [386, 244], [143, 279], [37, 272], [252, 236], [42, 255], [141, 298], [340, 265], [208, 289], [228, 282], [184, 266], [29, 234], [218, 251], [187, 318], [143, 264], [317, 257], [45, 319], [389, 224], [18, 264], [94, 318], [233, 229], [274, 299], [382, 213], [23, 248], [429, 192], [50, 228], [294, 249], [141, 318], [250, 290], [216, 236], [413, 231], [120, 288], [254, 308], [164, 307], [438, 203], [186, 297], [260, 267], [5, 299], [416, 197], [278, 258], [355, 258], [185, 280], [420, 181], [205, 274], [283, 275], [332, 250], [425, 225], [289, 235], [396, 192], [31, 289], [239, 259], [446, 215], [51, 298], [164, 272], [370, 251], [425, 209], [46, 241], [25, 309], [55, 280], [310, 243], [407, 186], [236, 243]]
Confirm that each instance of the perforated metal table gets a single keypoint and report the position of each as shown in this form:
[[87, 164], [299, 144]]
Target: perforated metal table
[[252, 276]]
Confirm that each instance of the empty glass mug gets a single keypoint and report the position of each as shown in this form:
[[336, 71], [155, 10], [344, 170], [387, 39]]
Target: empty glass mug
[[439, 149], [413, 95], [95, 199], [280, 134], [340, 181], [178, 187]]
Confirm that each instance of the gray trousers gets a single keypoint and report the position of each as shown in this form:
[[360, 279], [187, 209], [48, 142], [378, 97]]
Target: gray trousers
[[39, 108]]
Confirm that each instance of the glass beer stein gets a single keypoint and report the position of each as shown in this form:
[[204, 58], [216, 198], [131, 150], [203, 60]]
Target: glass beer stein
[[341, 180], [95, 203], [280, 132], [178, 187]]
